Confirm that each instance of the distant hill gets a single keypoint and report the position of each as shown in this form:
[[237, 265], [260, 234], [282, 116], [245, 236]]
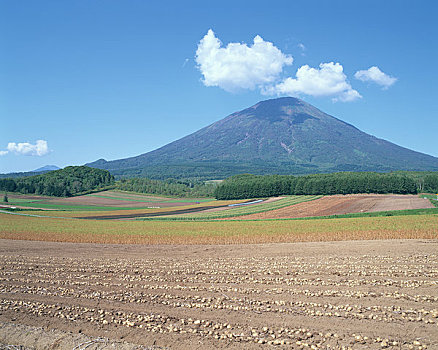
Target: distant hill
[[278, 136], [70, 181], [38, 171], [47, 168]]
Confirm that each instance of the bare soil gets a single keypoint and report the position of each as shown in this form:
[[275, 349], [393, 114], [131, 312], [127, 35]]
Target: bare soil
[[345, 204], [358, 295]]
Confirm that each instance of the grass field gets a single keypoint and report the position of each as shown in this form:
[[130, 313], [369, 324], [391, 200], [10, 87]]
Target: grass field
[[218, 232]]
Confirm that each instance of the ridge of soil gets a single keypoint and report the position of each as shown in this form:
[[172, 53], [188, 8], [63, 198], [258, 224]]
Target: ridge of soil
[[359, 294]]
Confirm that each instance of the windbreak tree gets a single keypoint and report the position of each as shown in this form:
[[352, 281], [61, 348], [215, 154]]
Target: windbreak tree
[[252, 186], [431, 183]]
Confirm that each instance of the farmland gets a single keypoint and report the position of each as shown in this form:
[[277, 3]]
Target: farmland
[[106, 200], [345, 204], [124, 205], [225, 277], [128, 205], [358, 295], [216, 232], [239, 211]]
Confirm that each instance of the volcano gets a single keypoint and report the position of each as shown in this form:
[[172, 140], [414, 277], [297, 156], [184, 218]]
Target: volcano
[[278, 136]]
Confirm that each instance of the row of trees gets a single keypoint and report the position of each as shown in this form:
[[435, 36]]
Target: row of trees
[[170, 187], [254, 186], [428, 184], [66, 182]]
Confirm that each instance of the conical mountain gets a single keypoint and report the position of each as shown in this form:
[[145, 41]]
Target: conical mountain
[[278, 136]]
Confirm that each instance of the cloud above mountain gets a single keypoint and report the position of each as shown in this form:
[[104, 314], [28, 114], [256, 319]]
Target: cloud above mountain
[[327, 80], [375, 75], [40, 148], [238, 66]]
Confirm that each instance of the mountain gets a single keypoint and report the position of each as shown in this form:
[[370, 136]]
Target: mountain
[[38, 171], [278, 136], [46, 168]]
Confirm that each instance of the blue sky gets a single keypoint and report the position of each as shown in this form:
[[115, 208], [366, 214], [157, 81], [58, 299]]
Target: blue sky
[[113, 79]]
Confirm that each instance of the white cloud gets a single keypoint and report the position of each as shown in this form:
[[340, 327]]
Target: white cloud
[[328, 80], [239, 66], [2, 153], [40, 148], [375, 75]]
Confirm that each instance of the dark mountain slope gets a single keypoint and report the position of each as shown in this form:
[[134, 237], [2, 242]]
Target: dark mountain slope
[[284, 135]]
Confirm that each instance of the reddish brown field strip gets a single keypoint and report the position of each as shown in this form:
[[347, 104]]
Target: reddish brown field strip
[[345, 204]]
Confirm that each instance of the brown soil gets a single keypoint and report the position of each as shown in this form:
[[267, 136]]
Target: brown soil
[[359, 295], [345, 204]]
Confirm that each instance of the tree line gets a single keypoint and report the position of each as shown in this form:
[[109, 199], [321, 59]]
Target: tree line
[[169, 187], [255, 186], [65, 182]]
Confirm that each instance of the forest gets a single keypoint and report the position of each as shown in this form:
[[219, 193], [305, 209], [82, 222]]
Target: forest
[[169, 187], [75, 180], [70, 181], [255, 186]]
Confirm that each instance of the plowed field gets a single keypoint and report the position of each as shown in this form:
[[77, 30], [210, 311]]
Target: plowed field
[[357, 295], [345, 204]]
